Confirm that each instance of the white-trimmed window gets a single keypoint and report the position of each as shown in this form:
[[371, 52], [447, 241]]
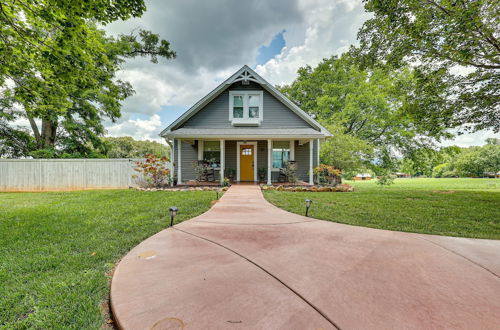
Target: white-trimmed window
[[211, 153], [245, 108], [281, 154]]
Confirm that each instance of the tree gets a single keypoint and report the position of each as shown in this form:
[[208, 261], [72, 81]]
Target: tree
[[366, 107], [345, 151], [58, 70], [127, 147], [438, 38]]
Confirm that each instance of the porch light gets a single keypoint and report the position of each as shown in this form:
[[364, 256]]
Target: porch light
[[173, 213], [308, 205]]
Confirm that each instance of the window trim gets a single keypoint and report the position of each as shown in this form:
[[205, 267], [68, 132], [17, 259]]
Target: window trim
[[291, 148], [201, 149], [246, 109]]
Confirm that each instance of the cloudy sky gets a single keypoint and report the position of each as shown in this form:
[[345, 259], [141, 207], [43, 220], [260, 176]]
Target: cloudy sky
[[215, 38]]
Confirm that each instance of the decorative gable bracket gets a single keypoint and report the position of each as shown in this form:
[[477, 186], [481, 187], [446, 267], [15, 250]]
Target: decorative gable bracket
[[245, 77]]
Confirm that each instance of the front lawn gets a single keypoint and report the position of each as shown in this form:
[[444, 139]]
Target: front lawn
[[57, 250], [453, 207]]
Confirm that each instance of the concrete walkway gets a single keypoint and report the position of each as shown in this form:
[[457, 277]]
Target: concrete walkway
[[245, 264]]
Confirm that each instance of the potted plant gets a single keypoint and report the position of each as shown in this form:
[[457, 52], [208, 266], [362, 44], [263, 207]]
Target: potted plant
[[230, 173], [261, 172]]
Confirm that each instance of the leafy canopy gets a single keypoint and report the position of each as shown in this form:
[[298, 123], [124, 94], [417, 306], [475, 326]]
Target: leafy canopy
[[365, 108], [441, 38], [58, 71], [127, 147]]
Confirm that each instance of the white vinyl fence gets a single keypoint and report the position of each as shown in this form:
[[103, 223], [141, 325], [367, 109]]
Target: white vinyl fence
[[66, 174]]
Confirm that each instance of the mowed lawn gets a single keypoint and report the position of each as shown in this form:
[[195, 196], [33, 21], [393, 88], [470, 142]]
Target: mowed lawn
[[57, 250], [453, 207]]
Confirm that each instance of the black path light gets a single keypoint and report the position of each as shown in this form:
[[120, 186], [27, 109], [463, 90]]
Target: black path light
[[173, 213], [308, 205]]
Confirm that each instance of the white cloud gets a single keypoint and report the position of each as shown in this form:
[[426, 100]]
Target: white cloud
[[139, 129], [213, 39]]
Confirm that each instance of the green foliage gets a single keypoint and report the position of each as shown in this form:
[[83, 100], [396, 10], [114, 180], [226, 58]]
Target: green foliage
[[154, 171], [231, 173], [127, 147], [470, 162], [58, 250], [58, 70], [345, 151], [438, 37], [366, 108], [290, 171], [327, 175], [385, 180]]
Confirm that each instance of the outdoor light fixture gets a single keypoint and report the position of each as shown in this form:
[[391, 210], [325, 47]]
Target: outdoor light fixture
[[173, 213], [308, 205], [217, 194]]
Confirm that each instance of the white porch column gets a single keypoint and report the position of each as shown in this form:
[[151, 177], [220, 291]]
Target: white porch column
[[222, 159], [179, 169], [292, 150], [311, 151], [317, 164], [269, 160]]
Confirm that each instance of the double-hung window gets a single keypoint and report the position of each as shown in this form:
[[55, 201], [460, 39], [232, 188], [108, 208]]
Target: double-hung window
[[281, 153], [245, 108]]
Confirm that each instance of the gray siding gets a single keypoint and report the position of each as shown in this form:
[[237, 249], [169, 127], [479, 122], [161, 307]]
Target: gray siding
[[216, 113], [231, 156], [261, 157], [189, 154], [302, 159]]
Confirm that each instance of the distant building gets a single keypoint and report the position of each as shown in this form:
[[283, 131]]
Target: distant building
[[402, 175], [363, 176]]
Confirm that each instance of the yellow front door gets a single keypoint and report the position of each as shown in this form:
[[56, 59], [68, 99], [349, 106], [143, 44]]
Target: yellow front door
[[246, 162]]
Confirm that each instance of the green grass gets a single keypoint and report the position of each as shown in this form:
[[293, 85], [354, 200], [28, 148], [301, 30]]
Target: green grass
[[57, 250], [453, 207]]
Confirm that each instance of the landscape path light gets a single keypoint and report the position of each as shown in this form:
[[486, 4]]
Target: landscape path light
[[308, 205], [173, 213]]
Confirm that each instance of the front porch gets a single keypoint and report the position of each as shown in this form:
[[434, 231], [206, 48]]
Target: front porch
[[255, 160]]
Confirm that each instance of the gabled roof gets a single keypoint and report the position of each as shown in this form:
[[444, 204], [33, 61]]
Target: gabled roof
[[244, 74]]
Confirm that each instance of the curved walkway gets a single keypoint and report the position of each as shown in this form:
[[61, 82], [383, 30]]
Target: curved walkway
[[246, 264]]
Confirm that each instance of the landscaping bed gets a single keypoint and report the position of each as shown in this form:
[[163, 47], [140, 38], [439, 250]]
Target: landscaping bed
[[302, 188]]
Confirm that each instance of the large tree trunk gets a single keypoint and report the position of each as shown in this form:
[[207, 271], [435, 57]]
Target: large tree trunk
[[48, 136]]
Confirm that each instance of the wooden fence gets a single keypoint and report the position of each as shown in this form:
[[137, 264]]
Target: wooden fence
[[66, 174]]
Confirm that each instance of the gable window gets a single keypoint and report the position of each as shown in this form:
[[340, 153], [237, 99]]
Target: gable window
[[211, 153], [245, 108], [281, 153]]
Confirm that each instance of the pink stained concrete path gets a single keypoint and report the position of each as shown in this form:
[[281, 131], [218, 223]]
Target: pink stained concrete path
[[246, 264]]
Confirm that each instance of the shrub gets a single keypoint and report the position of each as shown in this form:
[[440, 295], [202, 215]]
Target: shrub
[[290, 171], [230, 173], [154, 170], [327, 174], [385, 180]]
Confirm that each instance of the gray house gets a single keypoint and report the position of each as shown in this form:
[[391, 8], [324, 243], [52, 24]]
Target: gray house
[[245, 124]]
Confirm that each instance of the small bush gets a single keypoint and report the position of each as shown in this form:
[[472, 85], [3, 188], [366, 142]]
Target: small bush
[[154, 170], [385, 180]]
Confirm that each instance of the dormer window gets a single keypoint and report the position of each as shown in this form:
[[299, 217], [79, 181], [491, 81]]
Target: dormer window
[[245, 108]]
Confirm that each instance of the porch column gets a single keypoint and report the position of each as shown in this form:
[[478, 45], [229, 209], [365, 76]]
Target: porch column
[[179, 169], [317, 162], [222, 159], [311, 151], [269, 160]]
